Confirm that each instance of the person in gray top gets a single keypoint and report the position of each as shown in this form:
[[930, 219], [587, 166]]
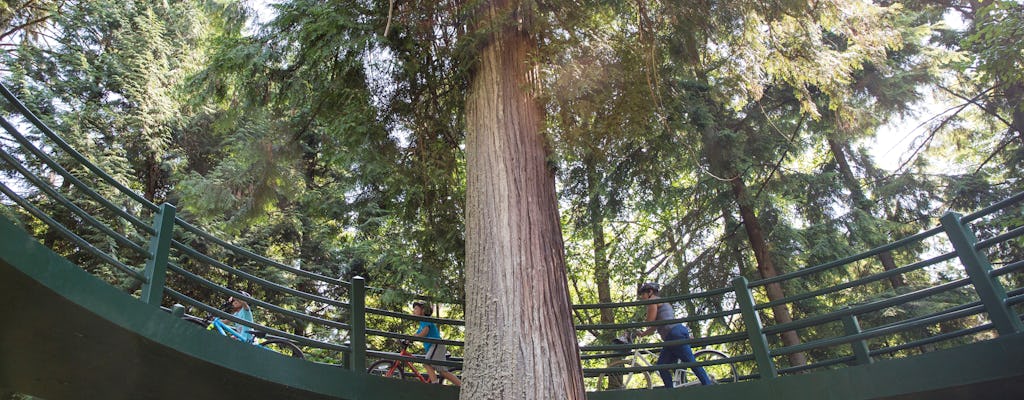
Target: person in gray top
[[673, 353]]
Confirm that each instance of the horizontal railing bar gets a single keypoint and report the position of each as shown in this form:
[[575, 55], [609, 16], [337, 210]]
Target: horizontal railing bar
[[864, 308], [694, 342], [1013, 233], [652, 350], [256, 257], [604, 355], [949, 310], [64, 231], [25, 112], [295, 314], [847, 260], [873, 278], [660, 367], [56, 196], [871, 333], [684, 320], [992, 208], [932, 339], [1006, 269], [411, 338], [668, 299], [78, 183], [383, 355], [245, 275], [820, 364], [410, 317], [1015, 297], [305, 341]]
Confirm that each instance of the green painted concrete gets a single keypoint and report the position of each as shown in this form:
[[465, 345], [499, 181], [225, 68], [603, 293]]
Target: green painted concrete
[[992, 369]]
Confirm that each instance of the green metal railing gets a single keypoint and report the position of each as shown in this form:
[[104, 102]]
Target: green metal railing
[[160, 260], [753, 340], [170, 261]]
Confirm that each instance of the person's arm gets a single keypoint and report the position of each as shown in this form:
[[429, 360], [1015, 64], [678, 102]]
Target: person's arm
[[652, 314], [423, 331]]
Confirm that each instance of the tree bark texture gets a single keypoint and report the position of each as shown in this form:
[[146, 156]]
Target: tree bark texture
[[520, 339]]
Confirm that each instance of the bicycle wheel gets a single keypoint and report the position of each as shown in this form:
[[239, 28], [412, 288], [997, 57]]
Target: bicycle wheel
[[719, 373], [283, 346], [198, 322], [387, 369], [630, 380]]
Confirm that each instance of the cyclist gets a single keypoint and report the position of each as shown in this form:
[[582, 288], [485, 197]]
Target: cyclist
[[669, 354], [433, 351], [240, 309]]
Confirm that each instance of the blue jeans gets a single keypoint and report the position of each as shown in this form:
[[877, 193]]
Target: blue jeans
[[672, 355]]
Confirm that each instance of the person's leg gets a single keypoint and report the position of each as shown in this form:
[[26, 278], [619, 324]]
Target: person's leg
[[451, 378], [670, 355], [667, 356], [441, 354], [687, 356], [431, 355], [431, 374]]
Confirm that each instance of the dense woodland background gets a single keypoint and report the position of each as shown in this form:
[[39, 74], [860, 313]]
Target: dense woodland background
[[693, 142]]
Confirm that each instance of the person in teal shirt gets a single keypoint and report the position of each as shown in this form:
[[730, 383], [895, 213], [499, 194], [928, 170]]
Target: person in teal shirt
[[240, 309], [433, 351]]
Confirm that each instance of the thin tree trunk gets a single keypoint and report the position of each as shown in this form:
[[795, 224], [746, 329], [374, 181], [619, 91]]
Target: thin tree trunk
[[863, 204], [602, 274], [766, 267], [601, 268], [520, 340]]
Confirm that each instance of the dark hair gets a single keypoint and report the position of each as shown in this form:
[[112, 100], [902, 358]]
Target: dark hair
[[227, 303], [427, 309], [648, 286]]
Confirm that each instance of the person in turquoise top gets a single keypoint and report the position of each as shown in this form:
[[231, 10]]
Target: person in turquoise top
[[240, 309], [433, 351]]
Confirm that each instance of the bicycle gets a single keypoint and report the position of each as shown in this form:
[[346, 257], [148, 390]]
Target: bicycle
[[683, 377], [397, 368], [259, 339]]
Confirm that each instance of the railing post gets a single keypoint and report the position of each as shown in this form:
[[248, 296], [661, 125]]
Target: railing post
[[159, 252], [860, 348], [357, 301], [992, 293], [758, 342]]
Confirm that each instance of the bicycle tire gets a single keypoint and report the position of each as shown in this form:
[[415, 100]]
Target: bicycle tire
[[198, 322], [630, 380], [283, 346], [719, 373], [383, 367]]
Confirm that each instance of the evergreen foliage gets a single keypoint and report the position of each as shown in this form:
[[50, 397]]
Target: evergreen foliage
[[329, 136]]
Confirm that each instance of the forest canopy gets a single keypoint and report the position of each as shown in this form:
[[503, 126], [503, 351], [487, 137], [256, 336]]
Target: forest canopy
[[691, 142]]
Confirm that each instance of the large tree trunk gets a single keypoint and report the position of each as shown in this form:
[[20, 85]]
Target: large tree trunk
[[520, 340]]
